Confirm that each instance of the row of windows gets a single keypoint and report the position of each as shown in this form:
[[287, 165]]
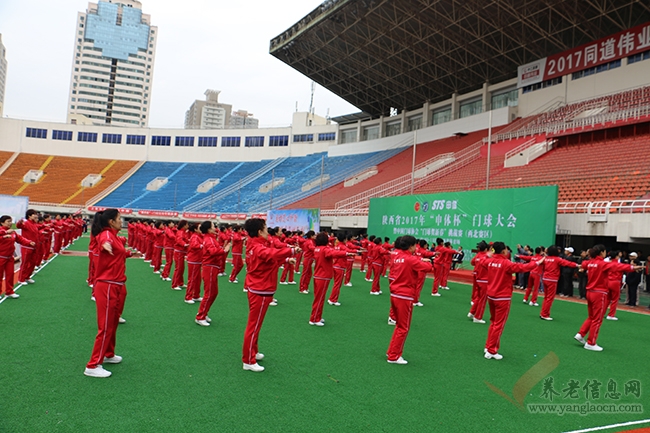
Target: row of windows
[[638, 57], [596, 69], [542, 85], [164, 140]]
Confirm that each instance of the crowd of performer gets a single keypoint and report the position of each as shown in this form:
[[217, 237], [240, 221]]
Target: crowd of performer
[[202, 248]]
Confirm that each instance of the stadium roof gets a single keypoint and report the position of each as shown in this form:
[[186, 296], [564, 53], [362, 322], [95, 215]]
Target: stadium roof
[[378, 54]]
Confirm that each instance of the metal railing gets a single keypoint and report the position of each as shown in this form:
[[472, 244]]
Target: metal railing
[[523, 146]]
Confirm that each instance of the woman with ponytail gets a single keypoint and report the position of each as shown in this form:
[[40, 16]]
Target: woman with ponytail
[[109, 289]]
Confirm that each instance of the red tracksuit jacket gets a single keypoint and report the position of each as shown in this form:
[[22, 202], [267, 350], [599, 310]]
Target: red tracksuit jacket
[[598, 270], [111, 268], [500, 271], [8, 244], [404, 274], [324, 257], [262, 262], [212, 251], [551, 268], [195, 250], [480, 267]]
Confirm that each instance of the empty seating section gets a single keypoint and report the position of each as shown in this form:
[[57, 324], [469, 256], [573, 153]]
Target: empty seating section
[[4, 157], [472, 176], [609, 103], [398, 165], [62, 176]]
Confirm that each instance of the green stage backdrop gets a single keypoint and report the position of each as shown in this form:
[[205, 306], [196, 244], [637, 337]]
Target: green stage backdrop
[[514, 216]]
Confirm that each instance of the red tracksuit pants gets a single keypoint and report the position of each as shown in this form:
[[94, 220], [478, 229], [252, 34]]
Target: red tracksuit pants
[[437, 277], [550, 288], [238, 265], [109, 300], [320, 290], [478, 309], [422, 278], [499, 311], [364, 258], [193, 281], [298, 260], [179, 264], [287, 272], [156, 259], [401, 311], [348, 271], [305, 278], [210, 290], [7, 272], [445, 274], [614, 288], [169, 260], [369, 271], [58, 241], [597, 302], [533, 286], [257, 307], [339, 274], [377, 268], [27, 263], [91, 268]]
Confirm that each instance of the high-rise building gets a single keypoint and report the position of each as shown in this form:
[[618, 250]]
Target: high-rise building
[[3, 75], [208, 114], [242, 119], [112, 70]]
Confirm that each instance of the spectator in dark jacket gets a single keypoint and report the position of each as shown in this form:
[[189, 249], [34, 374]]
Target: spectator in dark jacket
[[632, 281]]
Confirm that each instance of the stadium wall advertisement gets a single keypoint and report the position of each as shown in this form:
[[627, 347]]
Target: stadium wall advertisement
[[14, 206], [294, 219], [514, 216]]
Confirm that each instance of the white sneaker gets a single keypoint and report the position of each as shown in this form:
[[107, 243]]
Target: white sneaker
[[259, 356], [189, 301], [223, 274], [245, 290], [348, 285], [611, 318], [446, 288], [13, 296], [471, 303], [185, 286], [30, 281], [304, 292], [197, 299], [333, 303], [233, 281], [97, 372], [291, 282], [177, 288], [273, 303], [580, 338], [391, 321], [202, 322], [418, 304], [321, 323], [121, 320], [525, 302], [167, 279], [533, 304], [284, 283], [92, 298], [470, 315], [207, 319], [375, 293], [298, 273], [496, 356], [545, 318], [475, 320], [435, 294], [114, 360], [368, 279], [595, 347], [253, 367], [156, 272], [399, 360]]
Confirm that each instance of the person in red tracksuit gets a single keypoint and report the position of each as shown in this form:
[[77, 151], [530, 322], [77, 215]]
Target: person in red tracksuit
[[58, 234], [340, 269], [324, 256], [194, 260], [288, 271], [597, 294], [181, 242], [224, 236], [109, 290], [237, 251], [212, 254], [307, 246], [499, 294], [405, 271], [354, 247], [370, 256], [31, 231], [364, 255], [479, 298], [442, 265], [92, 260], [388, 247], [168, 246], [8, 240], [614, 285], [262, 262], [422, 251], [380, 255], [534, 279], [550, 276], [158, 246]]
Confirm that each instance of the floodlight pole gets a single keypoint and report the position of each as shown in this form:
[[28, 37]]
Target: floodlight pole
[[415, 144], [487, 176]]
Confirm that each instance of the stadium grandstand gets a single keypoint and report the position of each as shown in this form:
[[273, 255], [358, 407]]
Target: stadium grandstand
[[559, 91]]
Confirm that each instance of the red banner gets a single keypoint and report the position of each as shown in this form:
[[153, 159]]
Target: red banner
[[614, 47], [158, 213], [199, 216], [259, 215], [101, 208], [233, 216]]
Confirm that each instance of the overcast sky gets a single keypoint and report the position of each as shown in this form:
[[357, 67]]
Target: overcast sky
[[202, 44]]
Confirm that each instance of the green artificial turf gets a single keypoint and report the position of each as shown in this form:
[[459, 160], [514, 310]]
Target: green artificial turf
[[179, 377]]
